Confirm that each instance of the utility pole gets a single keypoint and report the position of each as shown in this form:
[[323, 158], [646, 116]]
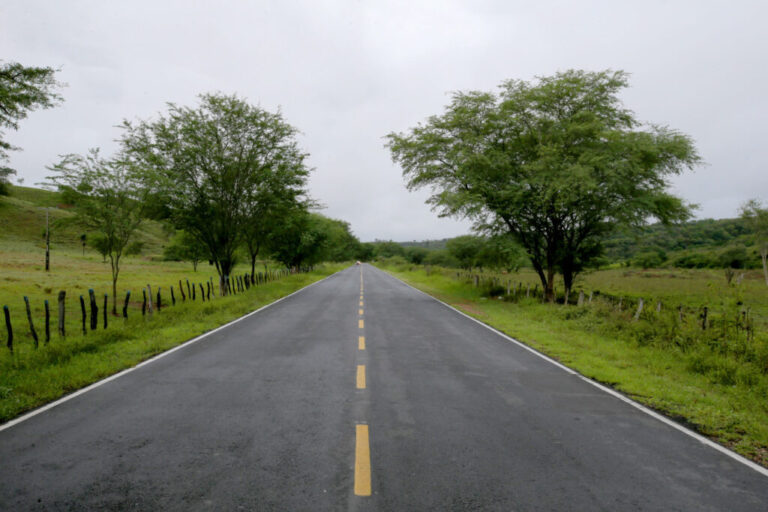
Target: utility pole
[[47, 243]]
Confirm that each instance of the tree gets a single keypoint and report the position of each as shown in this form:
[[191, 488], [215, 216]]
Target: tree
[[22, 90], [185, 247], [757, 216], [210, 163], [107, 198], [298, 240], [557, 164], [465, 249]]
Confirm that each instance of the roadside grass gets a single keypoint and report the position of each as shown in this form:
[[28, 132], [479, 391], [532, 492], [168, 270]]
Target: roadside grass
[[715, 383], [32, 377]]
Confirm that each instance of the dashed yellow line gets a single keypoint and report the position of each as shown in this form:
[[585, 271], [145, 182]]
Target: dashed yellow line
[[360, 323], [360, 312], [362, 461], [361, 343], [361, 376], [361, 302]]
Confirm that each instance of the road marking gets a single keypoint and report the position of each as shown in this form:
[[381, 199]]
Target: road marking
[[168, 352], [722, 449], [360, 323], [361, 376], [360, 312], [361, 302], [361, 342], [362, 461]]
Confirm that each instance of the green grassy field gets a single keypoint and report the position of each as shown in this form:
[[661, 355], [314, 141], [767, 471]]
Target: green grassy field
[[714, 381]]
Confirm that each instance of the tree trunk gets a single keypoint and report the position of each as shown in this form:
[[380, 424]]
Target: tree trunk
[[549, 290], [764, 256]]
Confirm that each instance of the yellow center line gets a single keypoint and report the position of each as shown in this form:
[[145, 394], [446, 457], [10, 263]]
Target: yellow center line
[[361, 342], [360, 312], [362, 461], [360, 376], [360, 323], [361, 302]]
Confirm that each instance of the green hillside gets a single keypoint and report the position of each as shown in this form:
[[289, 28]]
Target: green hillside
[[22, 217]]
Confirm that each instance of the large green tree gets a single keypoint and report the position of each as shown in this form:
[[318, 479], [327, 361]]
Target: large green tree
[[555, 163], [213, 164], [22, 90], [108, 199]]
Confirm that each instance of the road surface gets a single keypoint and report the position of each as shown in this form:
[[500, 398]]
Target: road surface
[[360, 393]]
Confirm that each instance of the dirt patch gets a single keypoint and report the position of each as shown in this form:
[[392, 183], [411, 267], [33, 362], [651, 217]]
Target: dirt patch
[[469, 308]]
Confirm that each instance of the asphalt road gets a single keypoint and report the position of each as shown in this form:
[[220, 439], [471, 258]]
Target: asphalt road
[[360, 396]]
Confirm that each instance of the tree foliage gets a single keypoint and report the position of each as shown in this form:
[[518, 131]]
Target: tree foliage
[[219, 168], [22, 90], [556, 164], [757, 216], [108, 199]]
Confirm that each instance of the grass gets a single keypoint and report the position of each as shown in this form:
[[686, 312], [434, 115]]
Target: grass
[[715, 382]]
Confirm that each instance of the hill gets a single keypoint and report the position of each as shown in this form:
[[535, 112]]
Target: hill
[[22, 217]]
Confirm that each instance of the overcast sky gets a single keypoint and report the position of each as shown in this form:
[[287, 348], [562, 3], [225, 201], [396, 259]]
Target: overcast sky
[[346, 73]]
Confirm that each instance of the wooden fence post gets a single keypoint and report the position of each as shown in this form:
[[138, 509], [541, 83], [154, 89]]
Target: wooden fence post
[[94, 309], [8, 327], [159, 299], [149, 300], [106, 306], [47, 322], [173, 297], [194, 295], [580, 301], [144, 302], [62, 328], [125, 305], [658, 306], [181, 291], [704, 318], [639, 308], [202, 292], [189, 293], [208, 286], [590, 297], [29, 318], [84, 315]]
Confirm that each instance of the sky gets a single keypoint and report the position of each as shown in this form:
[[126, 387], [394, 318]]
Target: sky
[[346, 73]]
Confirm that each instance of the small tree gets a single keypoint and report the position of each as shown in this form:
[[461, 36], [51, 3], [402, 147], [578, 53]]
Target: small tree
[[757, 217], [22, 90], [107, 199], [185, 247]]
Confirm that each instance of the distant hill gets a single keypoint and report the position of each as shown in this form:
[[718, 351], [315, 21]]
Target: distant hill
[[427, 244], [22, 222]]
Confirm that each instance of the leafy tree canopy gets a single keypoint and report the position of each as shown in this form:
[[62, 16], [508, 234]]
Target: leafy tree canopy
[[217, 167], [22, 90], [556, 163]]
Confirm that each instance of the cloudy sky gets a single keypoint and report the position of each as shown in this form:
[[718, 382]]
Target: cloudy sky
[[346, 73]]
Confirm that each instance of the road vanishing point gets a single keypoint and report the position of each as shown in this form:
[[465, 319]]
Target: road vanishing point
[[360, 393]]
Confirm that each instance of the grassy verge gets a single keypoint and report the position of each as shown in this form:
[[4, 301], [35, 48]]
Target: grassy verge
[[721, 393], [32, 377]]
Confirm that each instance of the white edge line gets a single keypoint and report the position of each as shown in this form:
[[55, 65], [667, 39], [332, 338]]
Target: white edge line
[[722, 449], [152, 359]]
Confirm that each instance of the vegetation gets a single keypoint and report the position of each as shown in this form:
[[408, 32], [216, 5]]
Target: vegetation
[[108, 200], [218, 169], [22, 90], [556, 164], [757, 217], [713, 380]]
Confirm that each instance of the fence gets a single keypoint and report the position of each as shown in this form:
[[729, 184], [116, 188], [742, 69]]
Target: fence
[[151, 302]]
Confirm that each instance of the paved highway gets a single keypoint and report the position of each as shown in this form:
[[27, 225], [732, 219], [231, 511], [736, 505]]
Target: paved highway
[[360, 393]]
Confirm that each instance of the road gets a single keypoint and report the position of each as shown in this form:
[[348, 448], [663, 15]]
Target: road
[[360, 393]]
